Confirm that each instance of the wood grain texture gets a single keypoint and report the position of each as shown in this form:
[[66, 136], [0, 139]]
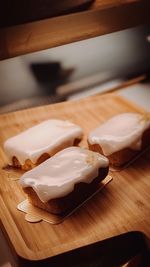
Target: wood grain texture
[[102, 18], [123, 205]]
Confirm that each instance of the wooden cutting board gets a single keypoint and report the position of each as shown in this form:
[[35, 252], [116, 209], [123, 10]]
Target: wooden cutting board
[[123, 205]]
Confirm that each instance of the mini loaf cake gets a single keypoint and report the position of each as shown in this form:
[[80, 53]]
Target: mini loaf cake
[[65, 180], [36, 144], [122, 137]]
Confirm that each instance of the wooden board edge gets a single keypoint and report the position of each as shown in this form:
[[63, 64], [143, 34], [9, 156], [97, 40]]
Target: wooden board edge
[[68, 103]]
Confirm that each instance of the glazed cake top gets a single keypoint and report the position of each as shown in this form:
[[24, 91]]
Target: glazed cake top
[[121, 131], [41, 138], [57, 176]]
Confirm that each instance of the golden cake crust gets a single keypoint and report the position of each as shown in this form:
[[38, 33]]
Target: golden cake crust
[[28, 165], [123, 156], [63, 204]]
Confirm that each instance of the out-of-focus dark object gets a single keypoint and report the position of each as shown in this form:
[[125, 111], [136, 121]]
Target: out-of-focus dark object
[[50, 75], [14, 12]]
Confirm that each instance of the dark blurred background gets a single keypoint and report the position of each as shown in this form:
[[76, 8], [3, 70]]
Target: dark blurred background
[[41, 77]]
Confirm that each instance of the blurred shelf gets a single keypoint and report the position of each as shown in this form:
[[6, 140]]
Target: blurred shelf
[[102, 17]]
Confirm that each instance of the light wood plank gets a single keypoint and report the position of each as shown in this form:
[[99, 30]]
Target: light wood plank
[[123, 205]]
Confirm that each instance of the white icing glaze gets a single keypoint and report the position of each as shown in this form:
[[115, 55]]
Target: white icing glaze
[[57, 176], [42, 138], [121, 131]]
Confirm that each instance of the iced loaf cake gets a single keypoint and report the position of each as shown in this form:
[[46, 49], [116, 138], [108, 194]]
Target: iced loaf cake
[[65, 180], [38, 143], [121, 137]]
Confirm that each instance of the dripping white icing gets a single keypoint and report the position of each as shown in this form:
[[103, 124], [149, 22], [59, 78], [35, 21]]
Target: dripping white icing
[[42, 138], [121, 131], [57, 176]]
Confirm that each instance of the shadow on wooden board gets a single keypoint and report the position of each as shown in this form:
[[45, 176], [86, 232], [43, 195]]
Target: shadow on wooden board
[[127, 250]]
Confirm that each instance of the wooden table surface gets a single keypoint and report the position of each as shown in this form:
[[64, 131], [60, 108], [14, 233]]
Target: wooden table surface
[[122, 206], [101, 18]]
